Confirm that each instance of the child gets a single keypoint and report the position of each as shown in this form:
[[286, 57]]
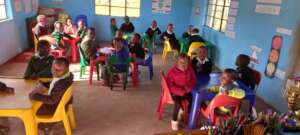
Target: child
[[59, 34], [40, 64], [201, 64], [188, 33], [127, 26], [136, 48], [81, 29], [153, 30], [227, 87], [171, 37], [89, 45], [113, 27], [245, 73], [70, 28], [40, 29], [196, 37], [181, 79]]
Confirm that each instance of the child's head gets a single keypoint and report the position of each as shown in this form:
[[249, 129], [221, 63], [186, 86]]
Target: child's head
[[126, 19], [118, 44], [153, 24], [228, 77], [195, 31], [43, 48], [58, 26], [81, 23], [136, 38], [41, 19], [190, 28], [182, 61], [69, 21], [60, 67], [170, 27], [113, 21], [119, 34], [202, 52], [242, 60], [91, 33]]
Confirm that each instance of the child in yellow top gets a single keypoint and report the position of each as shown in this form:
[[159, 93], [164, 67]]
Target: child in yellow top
[[228, 87]]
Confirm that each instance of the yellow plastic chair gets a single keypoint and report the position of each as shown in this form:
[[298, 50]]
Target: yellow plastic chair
[[35, 42], [168, 49], [68, 118], [192, 52]]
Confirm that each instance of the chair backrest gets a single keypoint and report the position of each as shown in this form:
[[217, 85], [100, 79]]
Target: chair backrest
[[149, 58], [167, 46], [193, 47], [83, 61], [167, 98], [62, 103], [257, 78], [82, 17], [223, 101]]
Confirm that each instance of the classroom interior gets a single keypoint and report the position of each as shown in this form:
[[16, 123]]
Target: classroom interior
[[248, 27]]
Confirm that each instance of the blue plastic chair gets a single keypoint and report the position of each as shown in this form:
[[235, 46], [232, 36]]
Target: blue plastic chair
[[82, 17], [149, 63]]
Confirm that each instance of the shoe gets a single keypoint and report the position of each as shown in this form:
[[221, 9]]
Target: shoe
[[174, 125], [180, 113]]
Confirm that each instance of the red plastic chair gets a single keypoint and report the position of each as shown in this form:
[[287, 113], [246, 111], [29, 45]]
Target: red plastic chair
[[93, 63], [74, 49], [257, 78], [221, 101], [134, 70], [166, 98], [56, 53]]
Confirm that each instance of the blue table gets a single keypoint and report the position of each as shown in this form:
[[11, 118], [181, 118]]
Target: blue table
[[200, 94]]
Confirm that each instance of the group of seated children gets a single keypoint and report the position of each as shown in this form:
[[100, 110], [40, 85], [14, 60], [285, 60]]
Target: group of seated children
[[183, 77]]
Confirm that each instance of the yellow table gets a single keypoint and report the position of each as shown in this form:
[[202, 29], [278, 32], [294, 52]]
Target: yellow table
[[185, 132], [18, 104]]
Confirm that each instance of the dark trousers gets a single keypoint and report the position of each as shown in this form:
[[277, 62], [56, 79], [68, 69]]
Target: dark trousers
[[178, 104]]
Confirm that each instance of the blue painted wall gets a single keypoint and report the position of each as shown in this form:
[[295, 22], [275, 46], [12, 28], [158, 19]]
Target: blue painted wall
[[13, 35], [179, 16], [253, 29]]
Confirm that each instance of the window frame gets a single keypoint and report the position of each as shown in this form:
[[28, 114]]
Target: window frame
[[5, 7], [110, 6], [214, 7]]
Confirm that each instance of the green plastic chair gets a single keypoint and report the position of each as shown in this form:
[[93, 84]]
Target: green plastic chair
[[184, 44], [84, 62], [149, 41]]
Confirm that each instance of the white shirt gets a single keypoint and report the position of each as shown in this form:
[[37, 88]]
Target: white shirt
[[202, 61], [56, 80]]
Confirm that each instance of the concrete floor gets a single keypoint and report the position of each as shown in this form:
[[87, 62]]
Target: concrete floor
[[100, 111]]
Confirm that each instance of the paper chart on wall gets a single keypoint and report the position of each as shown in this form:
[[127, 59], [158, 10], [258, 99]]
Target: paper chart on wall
[[284, 31], [234, 4], [233, 12], [27, 6], [270, 1], [18, 5], [230, 27], [35, 5], [268, 9], [161, 6], [230, 34]]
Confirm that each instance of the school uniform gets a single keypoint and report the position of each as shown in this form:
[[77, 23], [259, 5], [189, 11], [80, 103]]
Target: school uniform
[[246, 76], [40, 30], [127, 27], [172, 39], [202, 67], [196, 38], [153, 31], [39, 66]]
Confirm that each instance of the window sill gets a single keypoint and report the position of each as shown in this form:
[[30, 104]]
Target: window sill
[[6, 20], [206, 27]]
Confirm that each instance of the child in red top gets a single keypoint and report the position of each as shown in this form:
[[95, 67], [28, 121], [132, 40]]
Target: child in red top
[[181, 79]]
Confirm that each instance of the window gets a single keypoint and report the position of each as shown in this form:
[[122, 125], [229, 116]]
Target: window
[[217, 14], [130, 8], [3, 13]]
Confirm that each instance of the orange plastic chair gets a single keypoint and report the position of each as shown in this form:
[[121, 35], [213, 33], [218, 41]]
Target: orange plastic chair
[[257, 78], [220, 101], [68, 118], [166, 98], [167, 49]]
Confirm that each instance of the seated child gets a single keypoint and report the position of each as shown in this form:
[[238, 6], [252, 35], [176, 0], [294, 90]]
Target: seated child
[[181, 79], [119, 34], [81, 29], [59, 34], [201, 64], [40, 64], [245, 73], [113, 27], [89, 45], [188, 33], [41, 29], [228, 87], [170, 35], [62, 80], [69, 27], [153, 29], [127, 26], [136, 48], [196, 37]]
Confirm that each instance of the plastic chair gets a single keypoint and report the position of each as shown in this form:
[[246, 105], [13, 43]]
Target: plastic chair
[[166, 98], [193, 47], [149, 41], [111, 72], [220, 101], [184, 44], [56, 53], [257, 78], [83, 63], [82, 17], [167, 49], [149, 63], [35, 42], [68, 118]]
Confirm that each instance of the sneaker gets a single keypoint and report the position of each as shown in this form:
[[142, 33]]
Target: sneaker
[[174, 125]]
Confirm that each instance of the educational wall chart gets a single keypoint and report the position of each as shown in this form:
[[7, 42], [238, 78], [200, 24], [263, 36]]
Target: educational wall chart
[[229, 32], [27, 6], [162, 6], [18, 5], [271, 7], [273, 56]]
